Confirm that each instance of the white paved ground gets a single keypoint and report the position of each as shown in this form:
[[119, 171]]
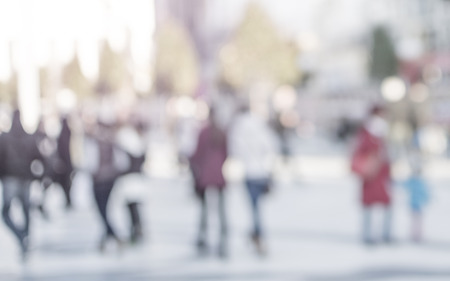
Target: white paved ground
[[312, 225]]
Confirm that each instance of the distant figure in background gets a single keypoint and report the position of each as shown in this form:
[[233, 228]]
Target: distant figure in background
[[255, 144], [418, 191], [206, 164], [371, 164], [18, 153], [46, 148], [64, 169]]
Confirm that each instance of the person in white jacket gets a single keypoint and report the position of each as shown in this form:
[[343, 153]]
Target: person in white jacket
[[255, 145]]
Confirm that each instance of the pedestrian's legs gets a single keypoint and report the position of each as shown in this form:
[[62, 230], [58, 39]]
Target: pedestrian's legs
[[24, 197], [67, 186], [366, 225], [203, 225], [255, 189], [136, 225], [102, 190], [15, 187], [65, 181], [10, 191], [46, 182], [223, 223], [387, 224], [416, 231]]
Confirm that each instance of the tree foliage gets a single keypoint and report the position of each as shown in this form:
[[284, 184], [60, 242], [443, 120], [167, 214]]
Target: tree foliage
[[112, 70], [383, 56], [176, 59], [73, 78], [8, 90], [257, 52]]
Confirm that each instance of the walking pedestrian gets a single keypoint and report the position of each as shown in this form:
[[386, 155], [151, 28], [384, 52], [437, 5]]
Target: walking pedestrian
[[18, 154], [255, 144], [371, 164], [206, 164]]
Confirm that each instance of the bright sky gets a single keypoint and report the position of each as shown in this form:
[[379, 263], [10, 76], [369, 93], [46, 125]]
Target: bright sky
[[85, 22], [35, 32], [295, 17]]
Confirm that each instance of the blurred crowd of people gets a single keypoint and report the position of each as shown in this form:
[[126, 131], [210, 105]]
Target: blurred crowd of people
[[114, 149], [39, 157]]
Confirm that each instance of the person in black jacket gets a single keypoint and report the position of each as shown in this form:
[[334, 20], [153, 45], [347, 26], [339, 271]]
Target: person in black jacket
[[20, 156], [63, 175], [104, 179]]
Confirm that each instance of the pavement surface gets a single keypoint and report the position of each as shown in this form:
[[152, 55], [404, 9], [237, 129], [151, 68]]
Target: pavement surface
[[312, 220]]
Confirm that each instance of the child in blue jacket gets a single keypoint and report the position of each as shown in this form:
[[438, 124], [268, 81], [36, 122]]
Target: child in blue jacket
[[418, 191]]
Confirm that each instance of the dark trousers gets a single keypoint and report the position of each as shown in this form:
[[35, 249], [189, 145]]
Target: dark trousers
[[136, 222], [256, 188], [102, 191], [203, 227], [14, 187], [65, 180]]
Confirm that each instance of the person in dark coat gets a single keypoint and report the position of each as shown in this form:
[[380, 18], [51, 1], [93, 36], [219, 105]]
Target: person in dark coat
[[64, 169], [104, 179], [19, 154], [206, 164], [371, 164]]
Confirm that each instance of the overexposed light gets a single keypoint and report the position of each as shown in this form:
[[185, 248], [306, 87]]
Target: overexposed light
[[433, 139], [52, 125], [142, 80], [185, 107], [41, 53], [117, 36], [28, 86], [393, 89], [233, 170], [11, 24], [202, 112], [65, 50], [308, 42], [284, 98], [5, 66], [66, 101], [141, 21], [419, 92], [88, 56]]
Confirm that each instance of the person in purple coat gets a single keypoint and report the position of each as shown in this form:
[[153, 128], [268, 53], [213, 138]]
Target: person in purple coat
[[206, 164]]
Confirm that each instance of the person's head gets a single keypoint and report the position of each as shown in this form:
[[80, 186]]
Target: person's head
[[377, 110], [376, 124]]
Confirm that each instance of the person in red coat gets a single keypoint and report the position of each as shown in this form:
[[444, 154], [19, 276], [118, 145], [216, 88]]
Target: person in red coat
[[206, 165], [371, 164]]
